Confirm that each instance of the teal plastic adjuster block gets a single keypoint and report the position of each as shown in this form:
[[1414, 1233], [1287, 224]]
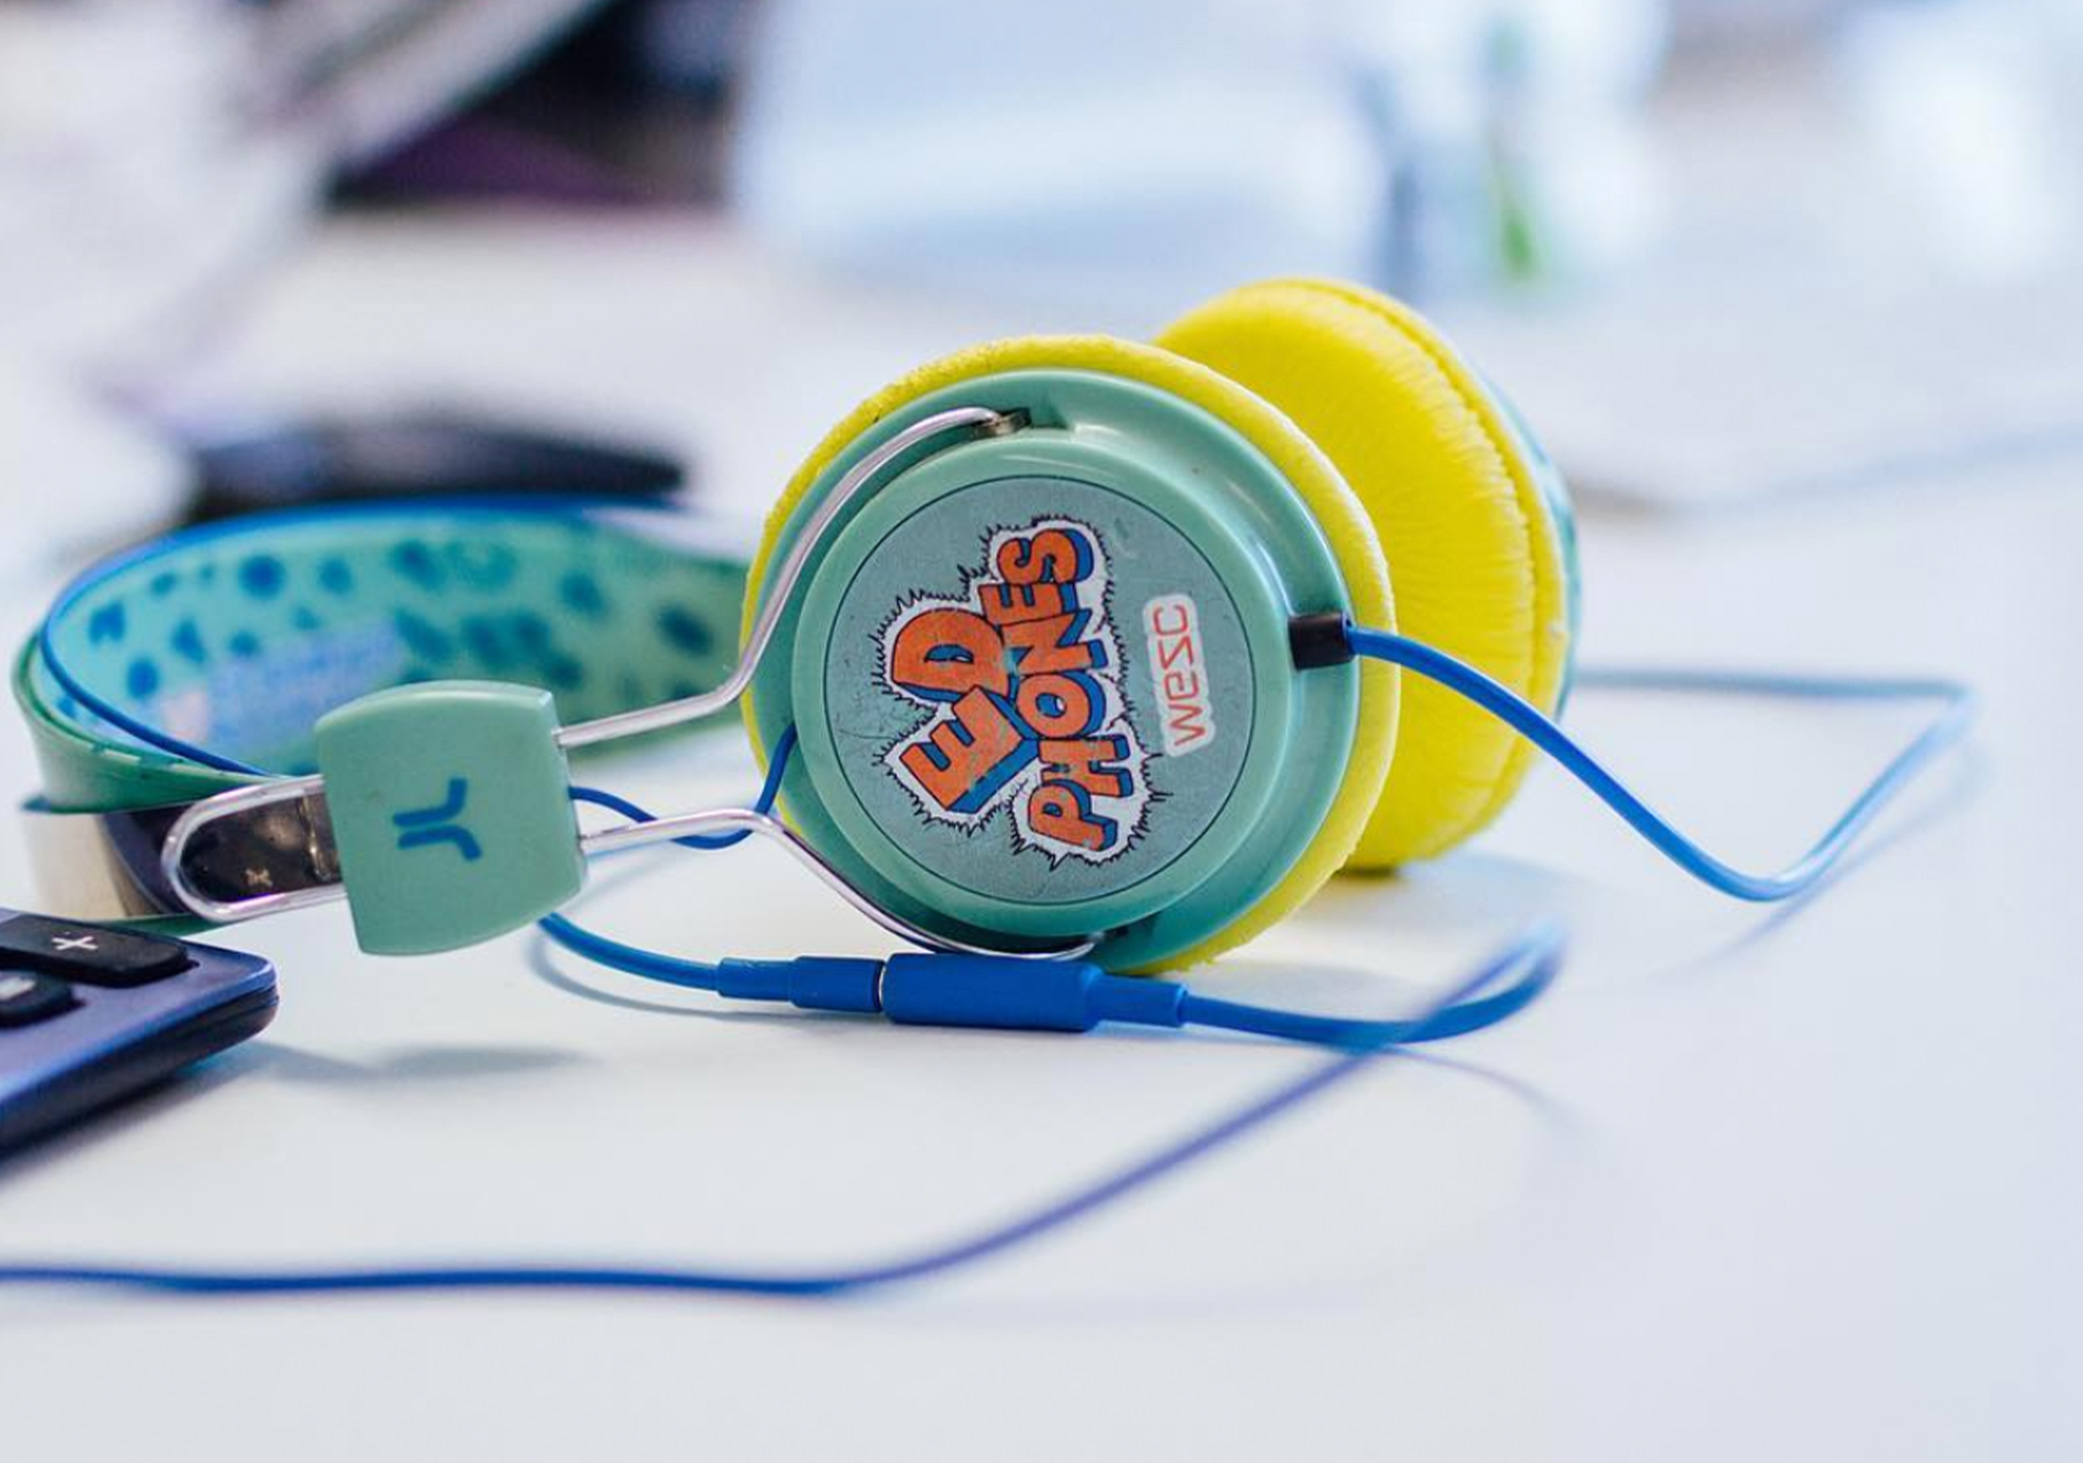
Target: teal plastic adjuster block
[[451, 809]]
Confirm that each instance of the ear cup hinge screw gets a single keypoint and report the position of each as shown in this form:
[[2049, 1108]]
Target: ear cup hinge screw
[[1320, 640]]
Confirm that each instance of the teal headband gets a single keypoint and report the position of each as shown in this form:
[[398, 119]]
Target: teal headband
[[203, 661]]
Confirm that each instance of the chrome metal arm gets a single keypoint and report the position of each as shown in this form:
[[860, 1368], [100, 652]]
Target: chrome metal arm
[[173, 854], [109, 865], [984, 421], [749, 820]]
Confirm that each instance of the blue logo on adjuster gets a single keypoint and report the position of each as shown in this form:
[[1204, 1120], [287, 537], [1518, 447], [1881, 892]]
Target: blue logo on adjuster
[[436, 824]]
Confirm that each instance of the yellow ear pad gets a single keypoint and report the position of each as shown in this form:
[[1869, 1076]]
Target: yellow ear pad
[[1474, 554], [1337, 511]]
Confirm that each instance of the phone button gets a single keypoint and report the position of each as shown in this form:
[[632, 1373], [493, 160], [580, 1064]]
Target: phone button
[[26, 997], [88, 954]]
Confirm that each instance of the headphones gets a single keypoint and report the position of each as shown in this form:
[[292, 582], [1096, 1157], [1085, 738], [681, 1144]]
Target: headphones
[[1063, 648], [1070, 660]]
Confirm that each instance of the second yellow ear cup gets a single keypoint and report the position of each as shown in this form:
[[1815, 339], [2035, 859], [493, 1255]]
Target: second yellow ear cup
[[1337, 511], [1475, 559]]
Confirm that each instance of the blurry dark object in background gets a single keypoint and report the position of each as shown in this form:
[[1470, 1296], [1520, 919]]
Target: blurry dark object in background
[[632, 106], [155, 158], [430, 456]]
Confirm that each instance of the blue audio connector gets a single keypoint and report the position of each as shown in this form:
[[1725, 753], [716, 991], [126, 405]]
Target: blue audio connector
[[1007, 992]]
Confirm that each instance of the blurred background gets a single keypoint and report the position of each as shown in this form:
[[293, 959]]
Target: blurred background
[[1722, 252]]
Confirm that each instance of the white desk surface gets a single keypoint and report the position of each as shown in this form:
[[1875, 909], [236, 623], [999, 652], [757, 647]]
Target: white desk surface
[[1749, 1184]]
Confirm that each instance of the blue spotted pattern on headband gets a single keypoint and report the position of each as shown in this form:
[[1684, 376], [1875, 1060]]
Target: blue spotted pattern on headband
[[230, 642]]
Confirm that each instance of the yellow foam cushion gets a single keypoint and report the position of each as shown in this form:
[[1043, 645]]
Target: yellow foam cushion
[[1345, 524], [1475, 559]]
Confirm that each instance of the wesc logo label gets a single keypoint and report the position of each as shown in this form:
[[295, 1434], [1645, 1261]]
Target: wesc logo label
[[1022, 672]]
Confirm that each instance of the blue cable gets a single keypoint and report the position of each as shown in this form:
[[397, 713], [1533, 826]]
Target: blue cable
[[1066, 995], [653, 964], [764, 803], [1069, 995], [1345, 1032], [694, 975], [1528, 964], [1527, 720], [977, 990]]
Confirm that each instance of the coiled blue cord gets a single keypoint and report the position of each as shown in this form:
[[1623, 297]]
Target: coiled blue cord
[[1956, 713]]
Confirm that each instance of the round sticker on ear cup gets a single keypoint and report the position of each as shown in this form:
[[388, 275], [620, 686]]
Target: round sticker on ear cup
[[1038, 692]]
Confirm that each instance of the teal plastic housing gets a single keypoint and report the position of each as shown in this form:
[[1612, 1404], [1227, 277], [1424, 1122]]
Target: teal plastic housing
[[1185, 501], [451, 811]]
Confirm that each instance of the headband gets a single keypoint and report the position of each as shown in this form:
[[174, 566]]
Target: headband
[[202, 663]]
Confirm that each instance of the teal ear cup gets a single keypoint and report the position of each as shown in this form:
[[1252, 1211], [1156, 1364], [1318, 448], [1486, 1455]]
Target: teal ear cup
[[1042, 682]]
